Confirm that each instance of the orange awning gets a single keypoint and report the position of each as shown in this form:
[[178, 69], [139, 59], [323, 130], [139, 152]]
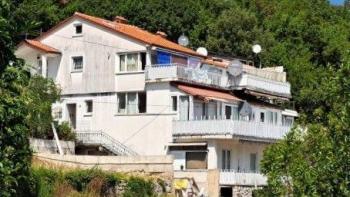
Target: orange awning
[[207, 94]]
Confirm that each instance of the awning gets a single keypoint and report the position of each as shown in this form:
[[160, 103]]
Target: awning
[[208, 94], [288, 112]]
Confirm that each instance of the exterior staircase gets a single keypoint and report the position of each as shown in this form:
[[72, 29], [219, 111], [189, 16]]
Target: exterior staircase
[[103, 139]]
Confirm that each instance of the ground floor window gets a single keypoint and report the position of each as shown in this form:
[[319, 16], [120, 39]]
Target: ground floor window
[[253, 162], [132, 102], [196, 160], [226, 160]]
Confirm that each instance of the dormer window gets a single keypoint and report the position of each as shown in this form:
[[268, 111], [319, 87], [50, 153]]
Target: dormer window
[[78, 29]]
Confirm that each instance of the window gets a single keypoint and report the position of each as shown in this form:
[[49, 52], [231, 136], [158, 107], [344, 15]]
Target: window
[[196, 160], [132, 102], [132, 62], [262, 117], [77, 63], [253, 162], [226, 160], [270, 117], [88, 106], [287, 120], [78, 29], [174, 103], [231, 112], [275, 118]]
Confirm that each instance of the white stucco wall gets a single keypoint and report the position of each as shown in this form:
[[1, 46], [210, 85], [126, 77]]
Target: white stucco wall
[[98, 48]]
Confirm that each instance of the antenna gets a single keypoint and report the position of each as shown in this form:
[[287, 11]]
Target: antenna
[[235, 68], [202, 51]]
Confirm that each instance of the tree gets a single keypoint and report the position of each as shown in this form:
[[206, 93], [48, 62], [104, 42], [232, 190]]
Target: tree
[[315, 161], [39, 95]]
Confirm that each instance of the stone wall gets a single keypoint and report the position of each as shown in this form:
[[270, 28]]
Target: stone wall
[[50, 146], [242, 191], [153, 165]]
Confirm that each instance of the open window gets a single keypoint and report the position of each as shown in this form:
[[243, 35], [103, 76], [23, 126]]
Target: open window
[[196, 160], [89, 106]]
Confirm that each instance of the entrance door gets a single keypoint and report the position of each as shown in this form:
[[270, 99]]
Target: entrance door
[[72, 109]]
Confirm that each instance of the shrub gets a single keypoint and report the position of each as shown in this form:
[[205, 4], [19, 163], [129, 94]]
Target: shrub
[[65, 132], [139, 187]]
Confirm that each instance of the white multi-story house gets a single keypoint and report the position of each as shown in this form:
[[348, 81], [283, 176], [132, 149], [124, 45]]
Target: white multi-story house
[[134, 92]]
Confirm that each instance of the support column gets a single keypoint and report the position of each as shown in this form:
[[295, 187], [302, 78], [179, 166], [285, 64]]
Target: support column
[[44, 66], [212, 155]]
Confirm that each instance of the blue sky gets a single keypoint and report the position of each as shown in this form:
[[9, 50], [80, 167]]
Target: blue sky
[[337, 2]]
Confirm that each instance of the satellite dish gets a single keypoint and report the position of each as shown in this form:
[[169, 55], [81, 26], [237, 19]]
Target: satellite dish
[[202, 51], [246, 109], [183, 40], [256, 48], [235, 68]]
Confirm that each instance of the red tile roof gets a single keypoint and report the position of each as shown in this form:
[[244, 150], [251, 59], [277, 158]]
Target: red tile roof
[[138, 34], [131, 31], [207, 94], [40, 46]]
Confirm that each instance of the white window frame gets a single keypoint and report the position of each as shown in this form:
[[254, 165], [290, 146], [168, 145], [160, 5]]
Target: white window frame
[[73, 70], [126, 102], [139, 62]]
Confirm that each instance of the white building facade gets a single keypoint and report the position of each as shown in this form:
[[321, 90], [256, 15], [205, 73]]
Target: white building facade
[[134, 92]]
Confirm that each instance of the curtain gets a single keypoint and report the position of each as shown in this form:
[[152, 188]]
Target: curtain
[[163, 57], [132, 103], [184, 107], [193, 62], [132, 60]]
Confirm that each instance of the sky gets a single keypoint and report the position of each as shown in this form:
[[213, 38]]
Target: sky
[[337, 2]]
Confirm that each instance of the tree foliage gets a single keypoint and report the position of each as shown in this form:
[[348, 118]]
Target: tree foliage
[[39, 95]]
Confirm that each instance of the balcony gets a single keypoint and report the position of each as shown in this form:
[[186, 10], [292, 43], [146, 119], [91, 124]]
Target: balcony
[[179, 72], [256, 82], [232, 128], [231, 177]]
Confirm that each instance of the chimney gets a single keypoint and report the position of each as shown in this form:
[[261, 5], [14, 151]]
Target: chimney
[[120, 19], [162, 34]]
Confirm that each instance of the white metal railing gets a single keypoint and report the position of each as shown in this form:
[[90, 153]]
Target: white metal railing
[[232, 177], [182, 72], [240, 128], [103, 139]]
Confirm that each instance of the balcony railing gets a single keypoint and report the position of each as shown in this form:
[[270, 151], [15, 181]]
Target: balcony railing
[[231, 177], [182, 72], [261, 84], [235, 128]]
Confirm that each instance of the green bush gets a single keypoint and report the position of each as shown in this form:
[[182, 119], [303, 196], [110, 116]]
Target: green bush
[[65, 132], [48, 182], [138, 187]]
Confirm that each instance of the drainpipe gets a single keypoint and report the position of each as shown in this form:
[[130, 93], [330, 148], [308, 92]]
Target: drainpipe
[[56, 139]]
